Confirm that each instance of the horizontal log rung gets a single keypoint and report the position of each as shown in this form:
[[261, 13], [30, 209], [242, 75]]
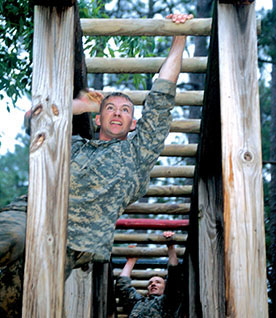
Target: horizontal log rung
[[158, 208], [179, 150], [149, 238], [169, 191], [142, 263], [186, 98], [152, 224], [144, 252], [134, 65], [142, 274], [172, 172], [145, 27], [191, 126]]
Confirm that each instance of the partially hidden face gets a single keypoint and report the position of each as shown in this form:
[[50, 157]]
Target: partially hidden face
[[116, 118], [156, 286]]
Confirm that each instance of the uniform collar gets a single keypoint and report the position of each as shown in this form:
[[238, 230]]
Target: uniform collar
[[98, 143]]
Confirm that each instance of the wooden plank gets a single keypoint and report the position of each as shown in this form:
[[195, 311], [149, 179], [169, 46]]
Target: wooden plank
[[135, 65], [245, 257], [148, 238], [169, 191], [77, 297], [179, 150], [148, 27], [172, 172], [152, 224], [189, 98], [158, 208], [49, 162]]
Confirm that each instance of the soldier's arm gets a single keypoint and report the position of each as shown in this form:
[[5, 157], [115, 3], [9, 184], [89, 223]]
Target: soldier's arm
[[128, 267], [171, 67]]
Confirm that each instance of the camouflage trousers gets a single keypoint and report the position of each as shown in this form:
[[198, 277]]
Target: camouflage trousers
[[12, 245]]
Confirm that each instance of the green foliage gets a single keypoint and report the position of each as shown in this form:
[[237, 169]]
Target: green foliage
[[16, 28], [14, 171], [267, 39]]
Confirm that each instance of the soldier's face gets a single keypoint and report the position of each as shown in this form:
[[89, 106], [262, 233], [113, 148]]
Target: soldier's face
[[156, 286], [116, 118]]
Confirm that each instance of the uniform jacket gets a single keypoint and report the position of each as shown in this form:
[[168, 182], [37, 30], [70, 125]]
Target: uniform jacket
[[106, 176], [164, 306]]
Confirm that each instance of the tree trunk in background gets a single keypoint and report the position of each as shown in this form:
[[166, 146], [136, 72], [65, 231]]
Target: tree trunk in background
[[272, 202], [197, 81]]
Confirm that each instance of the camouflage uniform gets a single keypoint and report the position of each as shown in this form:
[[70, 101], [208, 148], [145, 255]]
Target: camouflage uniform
[[12, 241], [106, 176], [164, 306]]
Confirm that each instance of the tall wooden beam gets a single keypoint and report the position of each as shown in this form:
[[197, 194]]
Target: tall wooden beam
[[49, 161], [205, 237], [245, 257]]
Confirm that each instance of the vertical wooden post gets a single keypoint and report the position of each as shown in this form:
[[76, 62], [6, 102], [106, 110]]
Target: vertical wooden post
[[49, 162], [245, 257], [210, 202]]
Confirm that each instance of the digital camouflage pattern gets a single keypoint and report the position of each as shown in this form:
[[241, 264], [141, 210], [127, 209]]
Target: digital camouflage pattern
[[106, 176], [13, 227], [164, 306], [12, 241]]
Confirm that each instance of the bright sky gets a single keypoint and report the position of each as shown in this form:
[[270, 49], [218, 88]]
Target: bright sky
[[11, 122]]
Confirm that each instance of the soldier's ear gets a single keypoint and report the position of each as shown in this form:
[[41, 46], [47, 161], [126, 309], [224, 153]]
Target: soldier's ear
[[133, 124], [98, 120]]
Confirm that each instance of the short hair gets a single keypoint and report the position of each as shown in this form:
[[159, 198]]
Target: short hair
[[164, 279], [115, 94]]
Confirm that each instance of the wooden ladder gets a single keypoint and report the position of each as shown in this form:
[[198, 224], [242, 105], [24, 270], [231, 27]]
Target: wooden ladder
[[143, 223]]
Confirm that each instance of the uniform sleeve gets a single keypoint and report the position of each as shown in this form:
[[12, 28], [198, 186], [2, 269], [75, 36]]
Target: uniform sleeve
[[172, 293], [128, 296], [77, 143], [153, 127]]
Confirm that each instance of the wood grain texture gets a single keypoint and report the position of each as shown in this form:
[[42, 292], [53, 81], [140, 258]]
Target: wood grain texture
[[149, 238], [144, 252], [149, 27], [187, 126], [77, 297], [245, 257], [134, 65], [175, 150], [158, 208], [49, 162], [169, 191], [172, 172]]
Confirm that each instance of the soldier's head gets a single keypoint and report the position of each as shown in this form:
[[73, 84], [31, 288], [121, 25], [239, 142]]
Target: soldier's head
[[116, 117], [156, 286]]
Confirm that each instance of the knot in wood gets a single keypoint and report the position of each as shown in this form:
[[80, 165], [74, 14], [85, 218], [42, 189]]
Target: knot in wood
[[37, 110], [40, 139], [55, 110], [247, 156], [50, 239]]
